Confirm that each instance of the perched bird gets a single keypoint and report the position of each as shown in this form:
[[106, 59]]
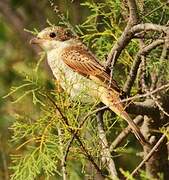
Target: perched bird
[[79, 72]]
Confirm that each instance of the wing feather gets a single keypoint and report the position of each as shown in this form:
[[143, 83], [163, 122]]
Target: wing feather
[[83, 62]]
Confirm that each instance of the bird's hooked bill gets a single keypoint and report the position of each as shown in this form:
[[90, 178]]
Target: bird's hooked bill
[[35, 40]]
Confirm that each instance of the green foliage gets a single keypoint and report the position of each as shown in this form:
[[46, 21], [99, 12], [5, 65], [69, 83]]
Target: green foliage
[[41, 139], [100, 31], [42, 147], [39, 135], [156, 11], [127, 174]]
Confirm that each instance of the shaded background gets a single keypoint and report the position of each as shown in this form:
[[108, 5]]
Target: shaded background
[[18, 57]]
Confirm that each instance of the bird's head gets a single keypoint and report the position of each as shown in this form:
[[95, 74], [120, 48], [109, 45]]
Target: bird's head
[[51, 37]]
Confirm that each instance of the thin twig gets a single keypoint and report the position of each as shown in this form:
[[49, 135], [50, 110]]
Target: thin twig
[[105, 152], [124, 134], [79, 127], [63, 164], [164, 87], [147, 90], [133, 72], [126, 35], [157, 76], [159, 106], [148, 123], [149, 155], [148, 27], [65, 120]]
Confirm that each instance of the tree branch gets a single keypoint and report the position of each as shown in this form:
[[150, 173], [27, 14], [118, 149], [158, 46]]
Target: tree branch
[[164, 87], [148, 27], [146, 107], [126, 35], [133, 72], [154, 149], [105, 147], [63, 163], [124, 134], [65, 121]]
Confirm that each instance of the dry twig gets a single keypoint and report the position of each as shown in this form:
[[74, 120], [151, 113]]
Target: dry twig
[[124, 134], [133, 71], [65, 121], [154, 149], [126, 35], [106, 154]]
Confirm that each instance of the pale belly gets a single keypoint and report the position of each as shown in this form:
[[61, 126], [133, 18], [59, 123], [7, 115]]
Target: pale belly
[[77, 86]]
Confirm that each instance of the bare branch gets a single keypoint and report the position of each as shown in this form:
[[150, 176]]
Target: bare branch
[[146, 107], [151, 95], [124, 134], [154, 149], [152, 166], [133, 16], [126, 35], [63, 163], [159, 106], [65, 121], [105, 147], [164, 87], [155, 77], [148, 27], [133, 72]]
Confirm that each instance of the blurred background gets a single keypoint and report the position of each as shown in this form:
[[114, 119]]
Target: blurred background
[[18, 58]]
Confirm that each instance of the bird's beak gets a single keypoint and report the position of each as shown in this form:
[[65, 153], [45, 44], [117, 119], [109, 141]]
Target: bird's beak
[[36, 40]]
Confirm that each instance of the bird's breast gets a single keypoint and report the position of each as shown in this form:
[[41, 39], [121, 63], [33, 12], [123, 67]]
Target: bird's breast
[[73, 83]]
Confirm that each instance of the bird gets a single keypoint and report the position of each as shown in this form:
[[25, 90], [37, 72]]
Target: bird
[[80, 73]]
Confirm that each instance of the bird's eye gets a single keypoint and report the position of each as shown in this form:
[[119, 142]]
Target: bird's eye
[[52, 34]]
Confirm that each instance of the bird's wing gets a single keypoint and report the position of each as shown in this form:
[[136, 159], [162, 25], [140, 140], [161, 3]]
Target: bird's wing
[[83, 62]]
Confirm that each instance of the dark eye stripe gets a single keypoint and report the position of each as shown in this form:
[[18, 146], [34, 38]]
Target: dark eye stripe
[[52, 34]]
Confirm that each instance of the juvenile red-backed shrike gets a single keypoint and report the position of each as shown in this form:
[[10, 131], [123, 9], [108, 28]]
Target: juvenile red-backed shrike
[[79, 73]]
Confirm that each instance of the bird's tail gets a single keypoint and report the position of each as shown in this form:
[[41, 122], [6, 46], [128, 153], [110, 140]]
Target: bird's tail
[[111, 98]]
